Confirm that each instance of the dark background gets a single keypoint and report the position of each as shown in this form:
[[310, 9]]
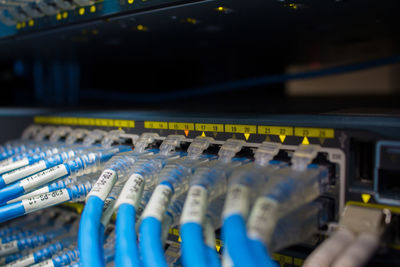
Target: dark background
[[108, 63]]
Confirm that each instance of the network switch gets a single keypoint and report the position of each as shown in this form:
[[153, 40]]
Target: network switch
[[346, 192]]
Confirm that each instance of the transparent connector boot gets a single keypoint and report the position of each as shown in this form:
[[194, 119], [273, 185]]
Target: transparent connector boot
[[48, 8], [229, 149], [112, 137], [296, 227], [170, 143], [303, 156], [94, 137], [75, 135], [44, 133], [64, 4], [266, 152], [83, 2], [32, 10], [30, 132], [59, 133]]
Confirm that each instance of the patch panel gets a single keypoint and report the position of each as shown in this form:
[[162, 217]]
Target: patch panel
[[339, 146], [342, 145]]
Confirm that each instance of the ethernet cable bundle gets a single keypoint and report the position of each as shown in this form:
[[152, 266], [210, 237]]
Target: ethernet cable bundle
[[261, 205]]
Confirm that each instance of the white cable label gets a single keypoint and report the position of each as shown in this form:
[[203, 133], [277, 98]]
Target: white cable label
[[104, 184], [44, 177], [237, 200], [25, 261], [46, 263], [4, 163], [15, 175], [132, 191], [14, 165], [45, 200], [9, 248], [39, 191], [262, 219], [195, 206], [158, 202]]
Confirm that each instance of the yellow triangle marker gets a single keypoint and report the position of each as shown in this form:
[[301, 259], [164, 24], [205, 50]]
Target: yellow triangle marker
[[179, 239], [365, 197], [305, 141], [186, 132], [268, 139], [218, 248], [282, 137], [203, 134], [247, 135], [119, 128]]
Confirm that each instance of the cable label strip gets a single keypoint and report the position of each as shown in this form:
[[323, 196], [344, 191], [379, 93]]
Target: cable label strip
[[237, 200], [158, 203], [45, 200], [132, 191], [15, 165], [39, 191], [262, 219], [9, 248], [15, 175], [44, 177], [104, 184], [5, 162], [24, 261], [195, 206]]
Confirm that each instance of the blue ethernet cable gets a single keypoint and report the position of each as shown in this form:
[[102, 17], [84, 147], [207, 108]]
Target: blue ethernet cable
[[57, 185], [72, 193], [39, 153], [142, 176], [40, 150], [109, 256], [173, 181], [307, 220], [244, 184], [72, 167], [208, 183], [89, 237], [22, 146], [18, 235], [63, 259], [23, 159], [42, 254], [13, 257], [292, 189], [52, 157], [13, 151], [35, 167], [31, 242], [20, 225]]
